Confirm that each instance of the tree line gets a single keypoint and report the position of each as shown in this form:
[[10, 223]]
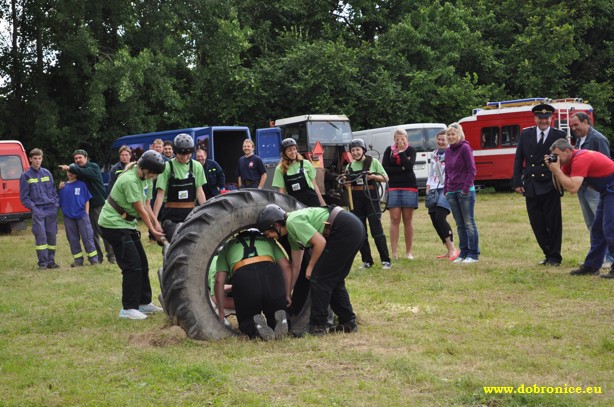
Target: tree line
[[80, 73]]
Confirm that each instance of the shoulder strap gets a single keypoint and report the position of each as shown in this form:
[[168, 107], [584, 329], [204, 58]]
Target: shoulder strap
[[366, 164]]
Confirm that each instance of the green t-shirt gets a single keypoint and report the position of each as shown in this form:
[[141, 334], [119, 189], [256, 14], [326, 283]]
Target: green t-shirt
[[303, 224], [232, 253], [128, 189], [376, 167], [310, 174], [181, 172]]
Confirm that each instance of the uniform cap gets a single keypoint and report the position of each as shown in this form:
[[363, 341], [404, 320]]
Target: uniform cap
[[543, 110]]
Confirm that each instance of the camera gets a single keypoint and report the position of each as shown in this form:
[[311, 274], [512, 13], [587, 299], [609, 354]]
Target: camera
[[553, 158]]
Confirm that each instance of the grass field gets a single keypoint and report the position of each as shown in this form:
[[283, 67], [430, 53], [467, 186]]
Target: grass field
[[431, 332]]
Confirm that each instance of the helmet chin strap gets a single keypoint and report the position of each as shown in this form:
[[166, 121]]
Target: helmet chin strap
[[144, 176]]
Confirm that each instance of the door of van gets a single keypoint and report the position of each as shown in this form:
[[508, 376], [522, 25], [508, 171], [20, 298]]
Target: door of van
[[13, 162], [267, 143]]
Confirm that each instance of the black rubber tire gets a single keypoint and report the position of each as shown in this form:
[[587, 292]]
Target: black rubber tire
[[184, 274]]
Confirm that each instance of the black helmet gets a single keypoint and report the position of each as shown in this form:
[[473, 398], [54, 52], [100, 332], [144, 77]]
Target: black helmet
[[270, 215], [152, 160], [358, 142], [287, 142], [183, 144]]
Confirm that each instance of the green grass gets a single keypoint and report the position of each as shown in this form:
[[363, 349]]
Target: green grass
[[431, 332]]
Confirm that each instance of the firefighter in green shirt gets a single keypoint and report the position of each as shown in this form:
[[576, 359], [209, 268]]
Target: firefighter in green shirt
[[365, 172], [128, 201], [334, 237], [261, 276], [179, 186]]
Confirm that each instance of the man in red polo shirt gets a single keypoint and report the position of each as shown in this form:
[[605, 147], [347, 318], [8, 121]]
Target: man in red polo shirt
[[571, 169]]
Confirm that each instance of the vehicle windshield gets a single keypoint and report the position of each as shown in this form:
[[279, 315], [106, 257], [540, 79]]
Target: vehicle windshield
[[329, 132]]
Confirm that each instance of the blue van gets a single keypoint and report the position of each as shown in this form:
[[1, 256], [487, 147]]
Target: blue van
[[222, 143]]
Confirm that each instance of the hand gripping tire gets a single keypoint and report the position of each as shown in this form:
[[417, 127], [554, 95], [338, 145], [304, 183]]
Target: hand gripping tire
[[184, 274]]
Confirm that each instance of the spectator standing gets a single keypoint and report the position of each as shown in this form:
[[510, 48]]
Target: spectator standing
[[439, 213], [168, 151], [89, 172], [398, 162], [37, 193], [250, 169], [533, 179], [74, 200], [216, 179], [125, 155], [460, 192], [158, 146], [571, 169], [587, 138]]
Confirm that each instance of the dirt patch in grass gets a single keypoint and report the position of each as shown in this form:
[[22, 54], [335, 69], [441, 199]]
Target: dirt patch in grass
[[166, 336]]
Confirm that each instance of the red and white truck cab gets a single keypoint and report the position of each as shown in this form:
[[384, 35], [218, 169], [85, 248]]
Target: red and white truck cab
[[493, 131]]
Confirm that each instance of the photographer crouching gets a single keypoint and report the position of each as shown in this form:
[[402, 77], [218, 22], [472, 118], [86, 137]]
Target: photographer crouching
[[570, 168]]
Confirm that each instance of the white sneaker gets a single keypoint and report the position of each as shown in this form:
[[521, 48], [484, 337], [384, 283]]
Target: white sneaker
[[149, 308], [386, 265], [458, 260], [132, 314], [470, 260]]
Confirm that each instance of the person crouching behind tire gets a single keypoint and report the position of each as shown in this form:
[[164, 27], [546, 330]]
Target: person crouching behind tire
[[295, 176], [128, 201], [179, 186], [335, 237], [261, 278]]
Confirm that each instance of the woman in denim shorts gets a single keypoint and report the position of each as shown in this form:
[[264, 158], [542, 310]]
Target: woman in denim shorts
[[398, 161]]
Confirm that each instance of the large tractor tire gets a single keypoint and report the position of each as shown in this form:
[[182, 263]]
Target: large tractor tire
[[183, 278]]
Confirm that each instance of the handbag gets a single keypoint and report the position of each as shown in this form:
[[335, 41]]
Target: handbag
[[431, 198]]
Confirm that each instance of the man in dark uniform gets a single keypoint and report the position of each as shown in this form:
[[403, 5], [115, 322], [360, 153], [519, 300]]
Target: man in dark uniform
[[216, 179], [533, 179]]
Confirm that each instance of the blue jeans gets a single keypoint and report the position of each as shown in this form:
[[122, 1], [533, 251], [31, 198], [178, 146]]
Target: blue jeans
[[589, 198], [463, 207], [602, 232]]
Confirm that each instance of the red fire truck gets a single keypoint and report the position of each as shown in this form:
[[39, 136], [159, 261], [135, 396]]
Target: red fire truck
[[493, 131]]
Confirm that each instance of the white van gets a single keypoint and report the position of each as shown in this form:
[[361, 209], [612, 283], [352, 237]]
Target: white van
[[421, 136]]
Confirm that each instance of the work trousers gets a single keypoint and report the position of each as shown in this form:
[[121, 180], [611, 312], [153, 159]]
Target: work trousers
[[78, 230], [327, 281], [94, 215], [545, 217], [45, 229], [131, 259], [369, 210], [256, 288]]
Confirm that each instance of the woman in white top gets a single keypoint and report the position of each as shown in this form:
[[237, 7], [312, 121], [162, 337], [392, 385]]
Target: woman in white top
[[440, 211]]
